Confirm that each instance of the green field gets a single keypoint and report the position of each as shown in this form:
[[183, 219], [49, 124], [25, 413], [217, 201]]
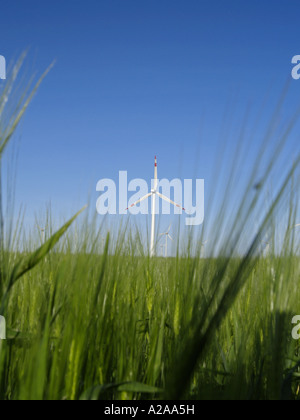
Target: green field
[[119, 323], [116, 324]]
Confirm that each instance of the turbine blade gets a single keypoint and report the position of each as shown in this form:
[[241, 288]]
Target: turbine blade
[[169, 201], [140, 200], [170, 237]]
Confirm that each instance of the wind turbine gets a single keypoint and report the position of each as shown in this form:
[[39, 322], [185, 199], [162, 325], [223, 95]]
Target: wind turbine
[[102, 241], [153, 194], [266, 248], [43, 232], [168, 236], [203, 248]]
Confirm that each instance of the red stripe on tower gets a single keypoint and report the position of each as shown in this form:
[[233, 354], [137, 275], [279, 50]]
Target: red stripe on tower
[[155, 164]]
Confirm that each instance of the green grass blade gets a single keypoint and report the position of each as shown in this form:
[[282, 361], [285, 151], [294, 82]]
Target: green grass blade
[[34, 259]]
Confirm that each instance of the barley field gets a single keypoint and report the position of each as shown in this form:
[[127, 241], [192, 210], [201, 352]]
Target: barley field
[[106, 321]]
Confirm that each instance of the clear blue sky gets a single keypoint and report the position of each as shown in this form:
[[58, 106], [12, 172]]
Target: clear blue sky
[[137, 78]]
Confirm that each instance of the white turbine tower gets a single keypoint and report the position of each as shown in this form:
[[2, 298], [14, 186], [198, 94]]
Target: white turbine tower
[[203, 248], [168, 236], [43, 232], [266, 248], [153, 194]]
